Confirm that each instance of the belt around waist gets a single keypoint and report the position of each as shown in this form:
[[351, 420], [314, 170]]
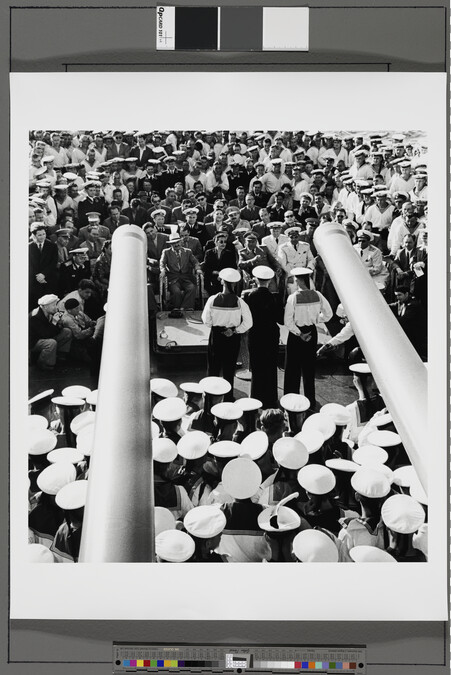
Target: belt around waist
[[222, 329], [305, 329]]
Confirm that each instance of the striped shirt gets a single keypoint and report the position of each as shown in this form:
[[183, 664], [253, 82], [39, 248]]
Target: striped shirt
[[306, 308], [227, 312]]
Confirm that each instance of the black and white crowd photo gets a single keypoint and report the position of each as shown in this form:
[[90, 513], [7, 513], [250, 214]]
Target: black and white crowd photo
[[227, 345]]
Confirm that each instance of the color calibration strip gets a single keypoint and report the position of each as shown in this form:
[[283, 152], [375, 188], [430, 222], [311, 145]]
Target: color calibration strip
[[234, 29], [266, 665]]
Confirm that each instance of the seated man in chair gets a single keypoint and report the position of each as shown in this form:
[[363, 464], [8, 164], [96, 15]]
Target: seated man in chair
[[179, 266]]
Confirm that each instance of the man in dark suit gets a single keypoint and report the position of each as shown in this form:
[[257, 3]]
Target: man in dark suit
[[141, 151], [203, 207], [171, 176], [120, 148], [216, 259], [156, 243], [136, 213], [192, 243], [91, 204], [115, 219], [250, 212], [412, 318], [42, 264], [179, 266]]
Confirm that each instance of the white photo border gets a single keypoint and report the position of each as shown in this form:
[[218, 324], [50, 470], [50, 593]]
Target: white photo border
[[237, 101]]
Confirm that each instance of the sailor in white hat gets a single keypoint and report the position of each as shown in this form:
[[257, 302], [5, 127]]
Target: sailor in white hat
[[205, 525], [315, 546], [368, 403], [267, 313], [192, 395], [295, 406], [281, 523], [371, 257], [242, 539], [228, 316], [403, 516], [371, 488], [290, 455], [46, 516], [174, 546], [305, 308], [169, 413], [40, 443], [38, 553], [214, 389], [167, 473], [319, 484], [251, 408], [71, 499], [226, 421]]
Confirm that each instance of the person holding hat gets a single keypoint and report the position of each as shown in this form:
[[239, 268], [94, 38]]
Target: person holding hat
[[179, 266], [48, 338], [305, 308], [42, 265], [228, 316], [363, 409], [267, 312]]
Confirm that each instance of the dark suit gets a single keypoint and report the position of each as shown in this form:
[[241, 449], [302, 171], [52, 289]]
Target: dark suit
[[195, 246], [83, 234], [267, 312], [123, 220], [203, 213], [120, 151], [146, 155], [42, 262], [413, 320], [180, 274], [213, 263], [137, 216], [169, 179]]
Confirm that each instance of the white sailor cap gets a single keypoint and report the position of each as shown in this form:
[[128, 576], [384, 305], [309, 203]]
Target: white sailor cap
[[274, 224], [276, 161], [262, 272], [306, 195], [159, 149], [297, 230], [38, 553], [295, 403], [241, 478], [69, 175], [225, 449], [287, 519], [174, 546], [41, 441], [247, 404], [164, 450], [41, 396], [169, 409], [164, 520], [319, 422], [301, 271], [230, 274], [193, 445], [338, 413], [340, 311], [72, 495], [85, 440], [192, 387], [339, 464], [384, 439], [93, 217], [37, 423], [205, 522], [370, 554], [382, 468], [404, 476], [55, 476], [153, 162], [71, 455], [68, 402], [313, 546], [216, 386], [81, 421], [402, 514], [189, 211], [290, 453], [76, 390], [163, 387], [370, 483], [47, 299], [365, 233], [154, 430], [61, 186], [380, 193], [405, 164], [254, 445], [369, 453], [226, 411], [420, 539], [74, 251], [47, 158], [316, 479], [312, 439], [362, 368]]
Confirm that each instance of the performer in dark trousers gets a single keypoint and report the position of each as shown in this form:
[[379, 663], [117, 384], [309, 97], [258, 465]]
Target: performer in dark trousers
[[228, 317], [266, 310], [305, 308]]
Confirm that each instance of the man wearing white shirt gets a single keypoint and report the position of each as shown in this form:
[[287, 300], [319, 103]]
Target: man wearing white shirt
[[56, 151], [404, 182]]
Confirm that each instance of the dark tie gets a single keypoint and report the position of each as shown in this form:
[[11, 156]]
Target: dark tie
[[277, 240], [361, 252]]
